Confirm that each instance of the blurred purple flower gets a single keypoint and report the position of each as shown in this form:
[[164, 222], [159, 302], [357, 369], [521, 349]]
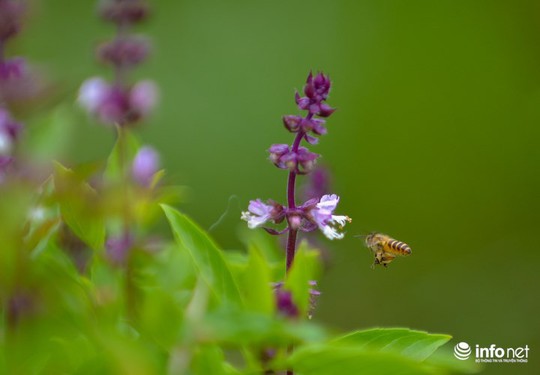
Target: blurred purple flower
[[11, 13], [285, 304], [118, 247], [115, 105], [124, 51], [145, 165], [123, 11]]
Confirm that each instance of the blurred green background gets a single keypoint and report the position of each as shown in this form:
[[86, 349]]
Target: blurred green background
[[435, 141]]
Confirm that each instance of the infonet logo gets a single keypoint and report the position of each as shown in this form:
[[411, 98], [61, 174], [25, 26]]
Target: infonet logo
[[462, 351], [492, 354]]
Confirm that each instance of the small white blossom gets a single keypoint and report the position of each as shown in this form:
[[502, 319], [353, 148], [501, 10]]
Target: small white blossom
[[92, 93], [258, 213], [323, 216]]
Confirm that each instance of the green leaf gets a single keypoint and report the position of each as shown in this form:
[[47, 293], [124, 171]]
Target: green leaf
[[256, 285], [374, 351], [208, 259], [328, 360], [417, 345], [238, 328], [122, 154], [305, 268], [50, 136], [79, 207]]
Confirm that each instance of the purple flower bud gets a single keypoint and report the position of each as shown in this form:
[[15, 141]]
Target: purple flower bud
[[305, 160], [295, 220], [143, 97], [11, 13], [277, 151], [118, 247], [145, 165], [124, 51], [5, 162], [302, 102], [285, 305], [325, 110], [123, 11], [292, 123]]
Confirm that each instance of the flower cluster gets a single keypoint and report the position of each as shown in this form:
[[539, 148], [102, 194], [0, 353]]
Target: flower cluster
[[319, 211], [313, 214], [17, 82], [119, 102]]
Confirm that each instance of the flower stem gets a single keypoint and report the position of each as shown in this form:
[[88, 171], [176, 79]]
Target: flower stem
[[291, 186]]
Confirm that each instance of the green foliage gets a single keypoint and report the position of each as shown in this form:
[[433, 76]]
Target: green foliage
[[79, 207], [208, 259], [178, 307]]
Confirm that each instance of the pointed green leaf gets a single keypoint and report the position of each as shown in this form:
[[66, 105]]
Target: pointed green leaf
[[79, 207], [206, 256], [305, 268], [417, 345], [328, 360], [256, 284]]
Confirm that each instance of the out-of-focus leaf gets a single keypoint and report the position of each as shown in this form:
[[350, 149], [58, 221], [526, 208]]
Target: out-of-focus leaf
[[80, 207], [305, 268], [121, 157], [208, 359], [239, 328], [417, 345], [206, 256], [267, 245], [255, 285], [50, 138]]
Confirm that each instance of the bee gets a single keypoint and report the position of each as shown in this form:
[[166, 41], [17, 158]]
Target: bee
[[385, 248]]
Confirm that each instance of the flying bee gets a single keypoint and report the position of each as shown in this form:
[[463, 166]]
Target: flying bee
[[385, 248]]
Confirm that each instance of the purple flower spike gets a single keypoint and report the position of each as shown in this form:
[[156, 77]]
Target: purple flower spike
[[11, 13], [124, 51], [328, 223], [316, 90], [145, 165], [114, 105]]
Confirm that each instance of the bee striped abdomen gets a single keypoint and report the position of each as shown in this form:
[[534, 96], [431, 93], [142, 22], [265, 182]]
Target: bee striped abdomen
[[399, 247]]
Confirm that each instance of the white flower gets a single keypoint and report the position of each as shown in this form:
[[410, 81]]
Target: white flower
[[323, 216], [258, 213], [92, 93]]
